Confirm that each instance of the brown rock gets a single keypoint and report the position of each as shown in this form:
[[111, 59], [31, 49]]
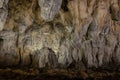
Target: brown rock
[[60, 33]]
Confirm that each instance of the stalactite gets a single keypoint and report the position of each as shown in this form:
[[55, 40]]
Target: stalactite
[[60, 33]]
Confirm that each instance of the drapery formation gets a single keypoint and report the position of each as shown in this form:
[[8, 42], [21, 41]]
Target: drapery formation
[[60, 33]]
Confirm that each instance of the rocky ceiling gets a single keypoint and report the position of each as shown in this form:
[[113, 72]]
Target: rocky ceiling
[[60, 33]]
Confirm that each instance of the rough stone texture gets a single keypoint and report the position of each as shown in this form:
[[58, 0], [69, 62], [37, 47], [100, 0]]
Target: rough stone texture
[[3, 13], [60, 33], [45, 58], [1, 3], [8, 49], [49, 8]]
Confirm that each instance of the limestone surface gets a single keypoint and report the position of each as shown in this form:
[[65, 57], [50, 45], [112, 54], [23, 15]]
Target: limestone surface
[[60, 33]]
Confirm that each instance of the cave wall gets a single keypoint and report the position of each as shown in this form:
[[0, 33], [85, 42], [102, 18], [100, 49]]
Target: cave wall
[[60, 33]]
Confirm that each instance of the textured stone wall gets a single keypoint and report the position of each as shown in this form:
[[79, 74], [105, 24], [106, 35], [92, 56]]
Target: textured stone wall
[[60, 33], [3, 12]]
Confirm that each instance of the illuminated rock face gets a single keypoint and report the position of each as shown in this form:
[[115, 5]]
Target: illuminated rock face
[[49, 8], [1, 3], [3, 12], [60, 33], [8, 48]]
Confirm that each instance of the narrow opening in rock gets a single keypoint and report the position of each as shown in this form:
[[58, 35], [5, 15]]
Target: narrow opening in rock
[[64, 5]]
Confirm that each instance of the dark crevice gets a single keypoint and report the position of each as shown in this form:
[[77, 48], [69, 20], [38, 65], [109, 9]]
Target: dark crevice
[[114, 15], [31, 60], [1, 42], [20, 56], [64, 5]]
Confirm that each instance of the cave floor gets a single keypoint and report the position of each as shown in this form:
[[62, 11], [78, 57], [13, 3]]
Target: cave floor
[[57, 74]]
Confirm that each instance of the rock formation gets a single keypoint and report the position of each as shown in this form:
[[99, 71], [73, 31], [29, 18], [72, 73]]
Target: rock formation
[[60, 33], [3, 12], [49, 8]]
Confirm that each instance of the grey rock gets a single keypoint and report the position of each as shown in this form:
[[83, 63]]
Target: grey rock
[[49, 8], [1, 3], [45, 57], [8, 50], [3, 13]]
